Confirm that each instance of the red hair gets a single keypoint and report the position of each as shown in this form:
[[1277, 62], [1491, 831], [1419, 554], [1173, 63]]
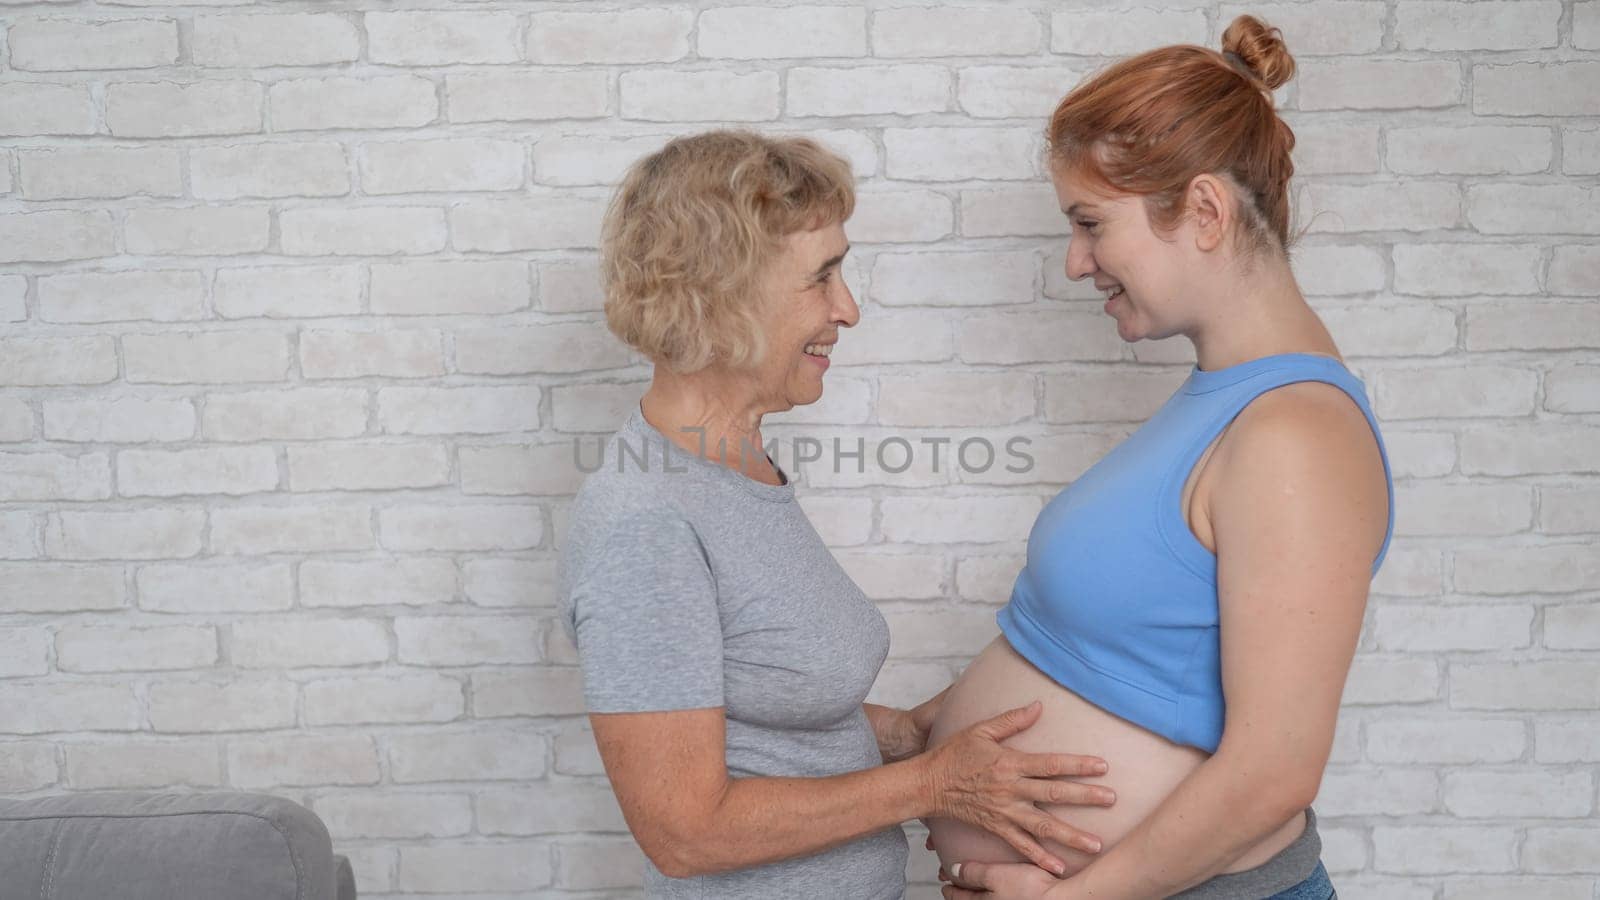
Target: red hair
[[1148, 125]]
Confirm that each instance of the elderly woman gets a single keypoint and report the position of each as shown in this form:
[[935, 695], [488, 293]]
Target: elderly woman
[[725, 654]]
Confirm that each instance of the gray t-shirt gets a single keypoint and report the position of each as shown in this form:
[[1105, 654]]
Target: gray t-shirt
[[687, 585]]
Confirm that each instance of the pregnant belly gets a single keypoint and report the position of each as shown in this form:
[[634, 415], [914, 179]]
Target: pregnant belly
[[1144, 767]]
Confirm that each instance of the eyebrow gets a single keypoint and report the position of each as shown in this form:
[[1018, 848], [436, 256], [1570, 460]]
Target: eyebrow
[[1076, 207], [831, 262]]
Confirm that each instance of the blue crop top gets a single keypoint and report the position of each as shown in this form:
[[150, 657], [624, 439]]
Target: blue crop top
[[1118, 599]]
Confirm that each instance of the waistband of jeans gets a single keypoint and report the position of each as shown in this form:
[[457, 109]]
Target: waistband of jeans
[[1287, 868]]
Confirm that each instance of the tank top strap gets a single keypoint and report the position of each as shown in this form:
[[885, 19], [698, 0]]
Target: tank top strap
[[1209, 402]]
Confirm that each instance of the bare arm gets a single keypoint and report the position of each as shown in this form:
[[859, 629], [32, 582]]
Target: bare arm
[[903, 733], [1299, 512]]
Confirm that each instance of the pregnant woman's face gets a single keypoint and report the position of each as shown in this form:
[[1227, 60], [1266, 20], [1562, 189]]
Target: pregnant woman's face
[[807, 302]]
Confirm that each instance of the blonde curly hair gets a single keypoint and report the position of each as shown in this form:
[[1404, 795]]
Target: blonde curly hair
[[693, 227]]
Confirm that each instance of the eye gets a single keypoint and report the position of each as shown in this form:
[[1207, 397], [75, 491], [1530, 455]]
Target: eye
[[1089, 225]]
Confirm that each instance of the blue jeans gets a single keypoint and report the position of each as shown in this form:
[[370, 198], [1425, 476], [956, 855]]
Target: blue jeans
[[1317, 887]]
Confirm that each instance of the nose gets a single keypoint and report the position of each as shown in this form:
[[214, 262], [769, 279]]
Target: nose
[[1080, 259], [845, 310]]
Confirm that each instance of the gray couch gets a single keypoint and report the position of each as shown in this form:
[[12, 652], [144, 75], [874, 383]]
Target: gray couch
[[145, 846]]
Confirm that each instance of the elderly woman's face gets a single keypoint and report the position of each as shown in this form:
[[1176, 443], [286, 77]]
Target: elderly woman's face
[[808, 304]]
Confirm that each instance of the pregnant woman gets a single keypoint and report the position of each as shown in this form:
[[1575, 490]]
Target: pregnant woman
[[1189, 608], [725, 653]]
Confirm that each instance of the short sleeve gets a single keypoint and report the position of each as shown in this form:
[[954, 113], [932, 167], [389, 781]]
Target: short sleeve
[[645, 619]]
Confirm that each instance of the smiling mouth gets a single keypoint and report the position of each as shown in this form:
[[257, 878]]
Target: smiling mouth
[[821, 351], [1114, 292]]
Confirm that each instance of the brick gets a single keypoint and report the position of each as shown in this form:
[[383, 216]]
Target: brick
[[1534, 209], [161, 295], [1341, 148], [461, 527], [392, 814], [957, 399], [275, 169], [1379, 84], [510, 469], [1376, 681], [1415, 330], [462, 164], [284, 292], [373, 867], [1427, 629], [1533, 326], [24, 651], [1573, 510], [408, 582], [897, 576], [1529, 451], [1388, 792], [1440, 850], [214, 589], [442, 38], [400, 353], [1574, 270], [550, 808], [51, 588], [1320, 28], [700, 96], [570, 287], [46, 708], [1586, 25], [541, 691], [1462, 391], [532, 95], [987, 579], [143, 764], [307, 642], [19, 535], [922, 634], [37, 108], [868, 90], [975, 519], [146, 534], [233, 705], [465, 757], [1551, 569], [27, 766], [1013, 91], [1493, 25], [599, 864], [72, 173], [383, 698], [458, 410], [955, 31], [1498, 795], [419, 287], [560, 160], [545, 223], [575, 750], [54, 45], [294, 39], [362, 231], [1121, 396], [900, 216], [293, 761], [1481, 150], [198, 230], [1457, 740], [463, 640], [1536, 89], [962, 154], [1574, 740], [1121, 32], [168, 109], [1330, 270], [1463, 509], [13, 298], [628, 36], [30, 362], [1525, 686], [56, 235], [258, 530], [1402, 206], [53, 476], [295, 414], [207, 470], [552, 347], [1481, 887], [984, 278], [511, 582], [1012, 211], [1561, 850], [845, 401], [491, 867], [393, 101], [1416, 454], [1580, 151], [593, 407], [759, 32], [857, 147]]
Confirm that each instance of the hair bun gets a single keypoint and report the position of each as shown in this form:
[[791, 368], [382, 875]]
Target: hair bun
[[1261, 49]]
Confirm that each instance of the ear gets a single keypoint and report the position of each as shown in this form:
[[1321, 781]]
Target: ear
[[1210, 207]]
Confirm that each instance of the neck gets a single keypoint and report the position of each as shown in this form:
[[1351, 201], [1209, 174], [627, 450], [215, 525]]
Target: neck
[[711, 414], [1260, 315]]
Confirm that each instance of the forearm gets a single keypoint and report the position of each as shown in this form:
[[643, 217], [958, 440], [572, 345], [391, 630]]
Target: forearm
[[889, 726], [763, 820], [1214, 816]]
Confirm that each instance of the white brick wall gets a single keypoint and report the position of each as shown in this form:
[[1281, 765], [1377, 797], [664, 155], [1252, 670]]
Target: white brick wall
[[301, 319]]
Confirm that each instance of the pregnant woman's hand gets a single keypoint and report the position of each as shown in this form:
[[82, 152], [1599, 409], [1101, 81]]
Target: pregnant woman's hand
[[982, 783]]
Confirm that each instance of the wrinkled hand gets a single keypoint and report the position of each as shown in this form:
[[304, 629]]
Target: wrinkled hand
[[982, 783], [996, 881]]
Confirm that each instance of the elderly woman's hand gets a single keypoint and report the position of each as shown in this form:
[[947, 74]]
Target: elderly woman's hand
[[982, 783]]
